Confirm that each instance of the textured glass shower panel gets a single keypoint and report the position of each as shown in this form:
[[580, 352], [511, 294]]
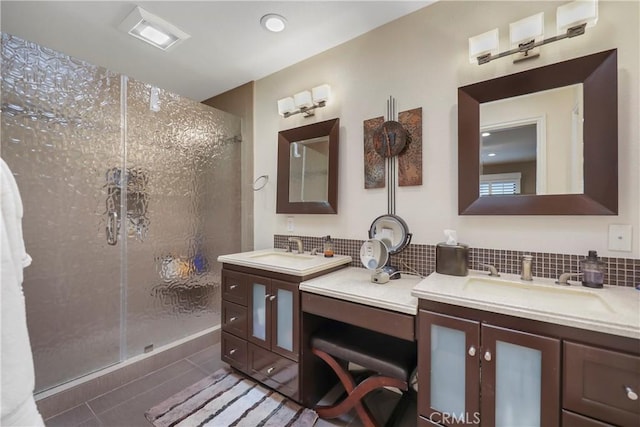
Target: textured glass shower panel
[[184, 211], [60, 133]]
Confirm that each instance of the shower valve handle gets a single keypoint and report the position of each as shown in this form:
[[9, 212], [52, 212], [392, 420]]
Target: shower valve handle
[[112, 228]]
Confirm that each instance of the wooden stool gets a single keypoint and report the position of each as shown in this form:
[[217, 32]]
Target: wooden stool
[[392, 359]]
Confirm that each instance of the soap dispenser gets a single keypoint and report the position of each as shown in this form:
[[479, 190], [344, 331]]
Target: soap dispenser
[[592, 271], [328, 247]]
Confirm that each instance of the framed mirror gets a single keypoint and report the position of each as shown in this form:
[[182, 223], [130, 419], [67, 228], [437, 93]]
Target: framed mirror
[[308, 169], [542, 141]]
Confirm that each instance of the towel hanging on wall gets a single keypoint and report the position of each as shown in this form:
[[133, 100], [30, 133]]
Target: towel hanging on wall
[[18, 407]]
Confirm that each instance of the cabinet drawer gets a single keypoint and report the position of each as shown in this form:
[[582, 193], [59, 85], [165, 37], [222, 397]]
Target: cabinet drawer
[[601, 384], [274, 371], [234, 287], [234, 319], [569, 419], [234, 351]]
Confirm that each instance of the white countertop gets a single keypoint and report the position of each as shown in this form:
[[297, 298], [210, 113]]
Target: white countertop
[[279, 261], [354, 284], [612, 310]]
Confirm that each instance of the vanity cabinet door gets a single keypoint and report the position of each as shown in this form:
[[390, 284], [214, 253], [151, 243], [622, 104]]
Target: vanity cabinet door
[[448, 369], [274, 315], [285, 324], [259, 310], [520, 378]]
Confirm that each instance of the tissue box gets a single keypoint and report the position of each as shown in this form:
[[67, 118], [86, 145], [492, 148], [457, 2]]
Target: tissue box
[[452, 259]]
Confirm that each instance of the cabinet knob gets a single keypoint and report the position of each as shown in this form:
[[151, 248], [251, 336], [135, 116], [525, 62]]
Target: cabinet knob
[[632, 395], [272, 297], [487, 356], [472, 351], [270, 370], [233, 319], [233, 350], [232, 287]]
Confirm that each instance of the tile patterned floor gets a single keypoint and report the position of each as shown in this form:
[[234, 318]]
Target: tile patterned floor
[[126, 405]]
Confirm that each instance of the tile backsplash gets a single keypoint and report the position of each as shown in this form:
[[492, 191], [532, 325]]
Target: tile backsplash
[[422, 259]]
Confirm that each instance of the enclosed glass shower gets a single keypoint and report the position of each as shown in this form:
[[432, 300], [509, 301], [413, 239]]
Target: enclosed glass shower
[[130, 193]]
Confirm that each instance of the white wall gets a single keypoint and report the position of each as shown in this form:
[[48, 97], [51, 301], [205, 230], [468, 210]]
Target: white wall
[[421, 60]]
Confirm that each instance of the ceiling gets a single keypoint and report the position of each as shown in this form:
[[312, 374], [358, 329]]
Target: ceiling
[[509, 145], [227, 48]]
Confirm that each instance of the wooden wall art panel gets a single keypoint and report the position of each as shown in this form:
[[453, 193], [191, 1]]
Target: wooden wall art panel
[[409, 160], [374, 175]]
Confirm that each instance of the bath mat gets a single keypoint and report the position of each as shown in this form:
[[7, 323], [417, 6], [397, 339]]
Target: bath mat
[[225, 399]]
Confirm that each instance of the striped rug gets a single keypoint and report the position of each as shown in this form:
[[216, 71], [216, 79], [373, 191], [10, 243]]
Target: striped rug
[[226, 399]]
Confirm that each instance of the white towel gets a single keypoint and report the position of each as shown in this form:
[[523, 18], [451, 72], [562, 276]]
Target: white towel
[[17, 383]]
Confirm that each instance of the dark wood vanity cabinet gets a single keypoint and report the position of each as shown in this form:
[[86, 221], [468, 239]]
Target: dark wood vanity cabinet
[[273, 316], [473, 372], [261, 328], [234, 319], [479, 367], [600, 384]]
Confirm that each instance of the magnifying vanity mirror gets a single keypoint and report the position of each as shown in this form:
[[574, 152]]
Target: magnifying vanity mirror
[[308, 169], [541, 142]]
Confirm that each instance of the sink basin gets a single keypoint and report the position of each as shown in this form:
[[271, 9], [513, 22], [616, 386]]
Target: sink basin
[[287, 258], [610, 310], [279, 261], [556, 297]]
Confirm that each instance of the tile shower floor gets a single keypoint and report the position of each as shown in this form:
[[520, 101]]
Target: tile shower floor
[[125, 406]]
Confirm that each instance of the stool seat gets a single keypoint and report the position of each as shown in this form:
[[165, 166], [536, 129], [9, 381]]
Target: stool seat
[[387, 355], [392, 359]]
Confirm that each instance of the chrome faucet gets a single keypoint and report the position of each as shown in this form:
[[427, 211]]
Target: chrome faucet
[[298, 242], [564, 278], [526, 268], [493, 272]]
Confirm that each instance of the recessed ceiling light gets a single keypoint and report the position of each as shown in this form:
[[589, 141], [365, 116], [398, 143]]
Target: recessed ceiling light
[[156, 35], [486, 133], [152, 29], [272, 22]]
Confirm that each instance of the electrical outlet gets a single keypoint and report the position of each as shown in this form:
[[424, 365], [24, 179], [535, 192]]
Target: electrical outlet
[[620, 237], [290, 224]]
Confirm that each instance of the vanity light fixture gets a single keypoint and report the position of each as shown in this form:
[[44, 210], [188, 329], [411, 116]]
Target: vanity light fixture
[[152, 29], [304, 102], [528, 34]]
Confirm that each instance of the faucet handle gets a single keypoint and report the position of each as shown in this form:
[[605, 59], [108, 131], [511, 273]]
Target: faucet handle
[[492, 270], [564, 278], [287, 248]]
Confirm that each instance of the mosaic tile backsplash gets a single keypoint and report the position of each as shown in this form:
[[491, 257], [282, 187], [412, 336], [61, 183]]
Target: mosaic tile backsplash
[[422, 259]]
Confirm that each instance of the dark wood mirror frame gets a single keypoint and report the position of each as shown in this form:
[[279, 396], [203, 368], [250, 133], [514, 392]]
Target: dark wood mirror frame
[[330, 128], [598, 74]]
